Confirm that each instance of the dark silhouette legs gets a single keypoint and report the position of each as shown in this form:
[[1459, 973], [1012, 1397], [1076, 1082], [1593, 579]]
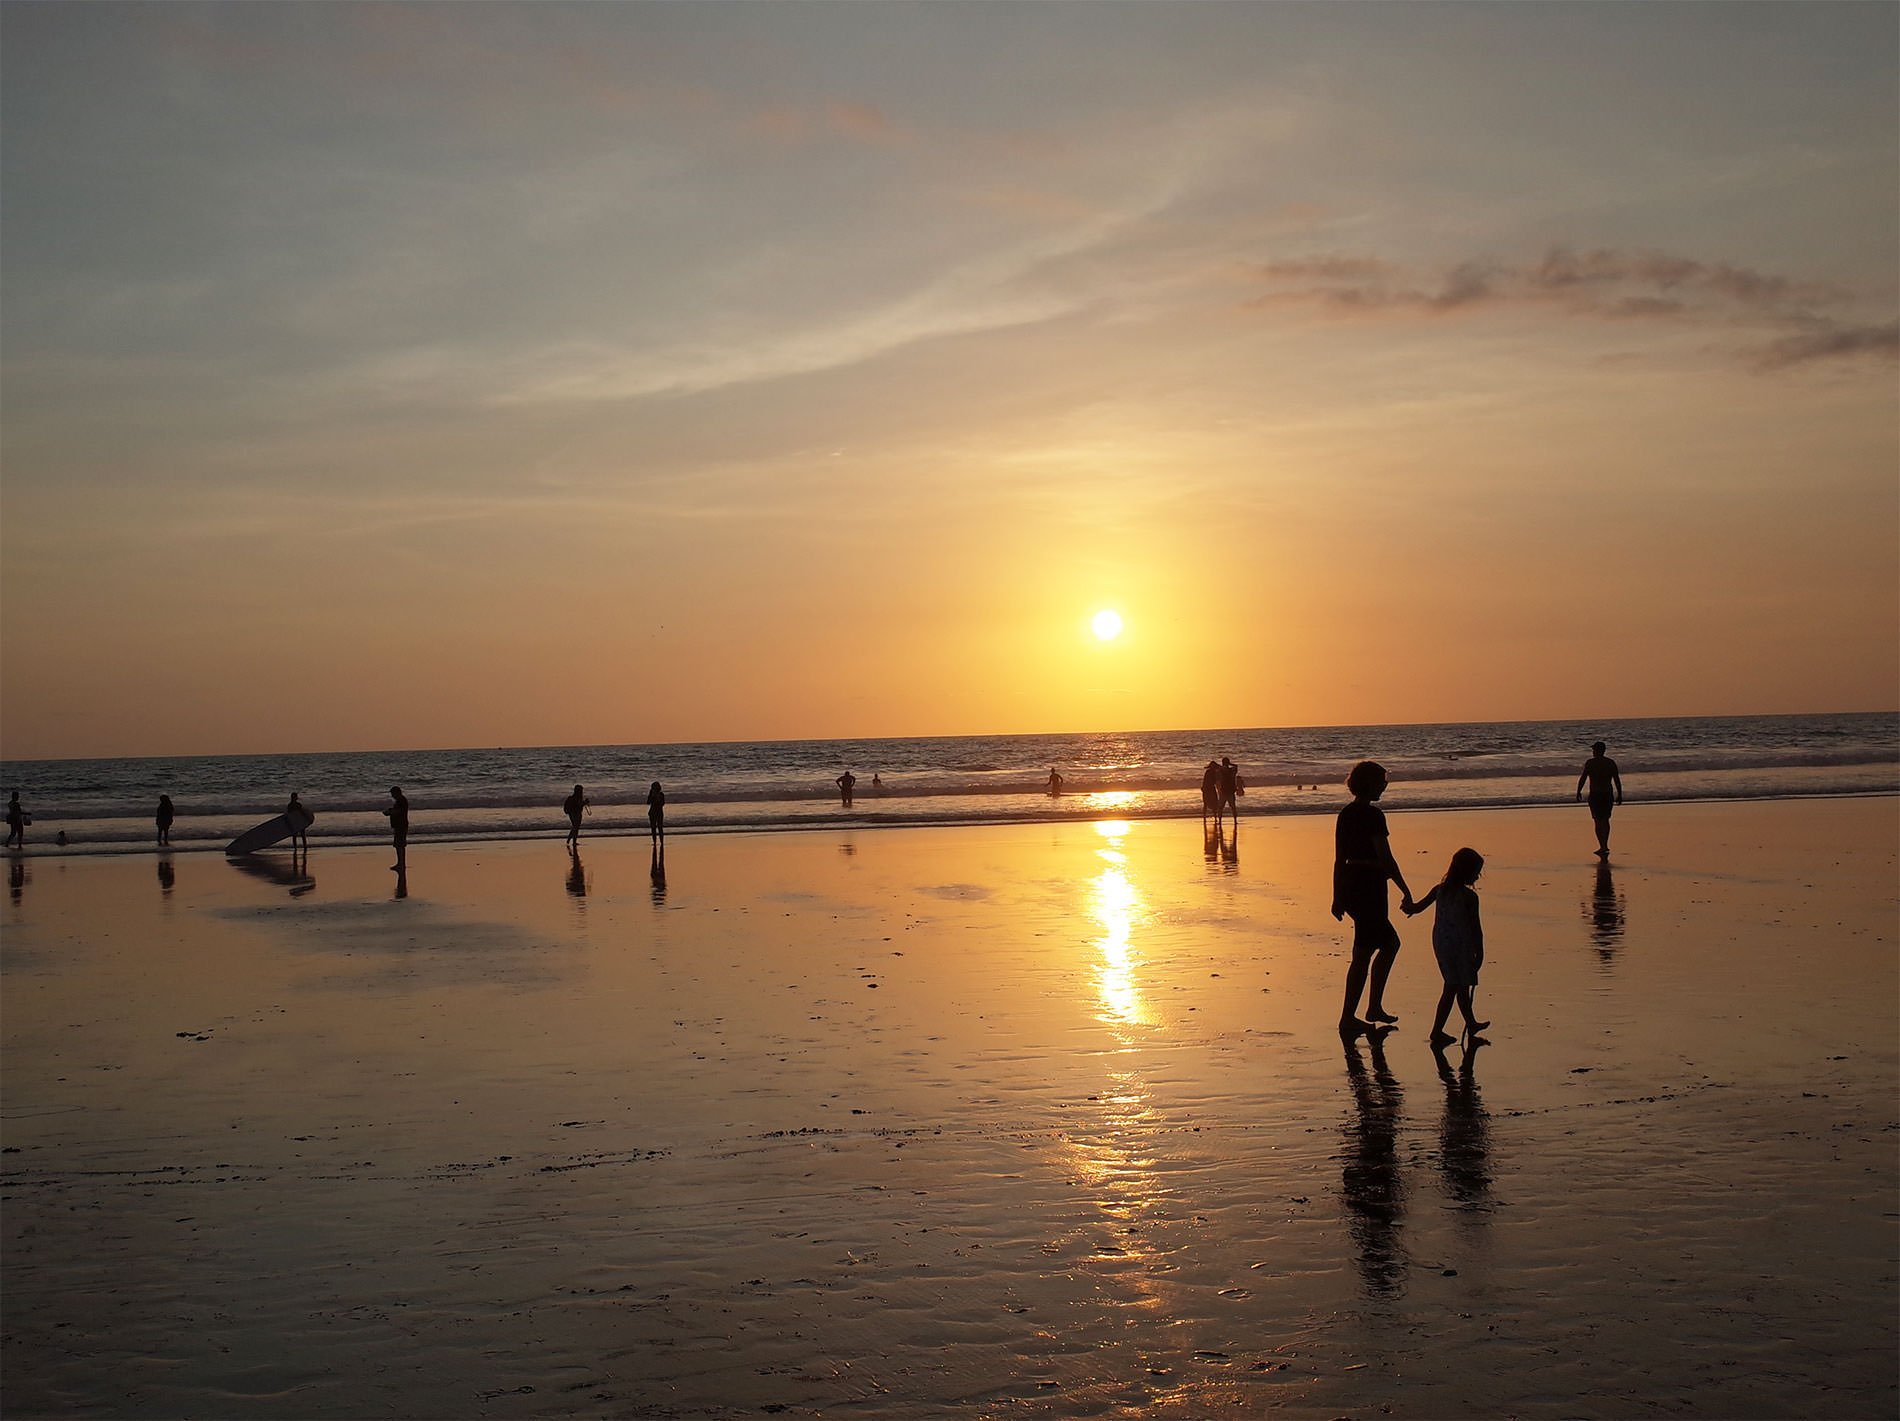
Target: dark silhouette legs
[[1370, 964], [1462, 996]]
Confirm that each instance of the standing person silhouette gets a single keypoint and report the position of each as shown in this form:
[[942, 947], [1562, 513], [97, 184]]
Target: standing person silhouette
[[572, 807], [165, 816], [1210, 789], [845, 783], [1229, 785], [1362, 863], [656, 812], [17, 820], [1606, 792], [1054, 782], [398, 813], [300, 821]]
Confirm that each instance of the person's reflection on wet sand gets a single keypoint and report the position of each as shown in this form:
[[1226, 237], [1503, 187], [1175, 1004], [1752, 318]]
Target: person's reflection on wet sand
[[1221, 843], [292, 873], [17, 877], [576, 876], [1464, 1132], [1603, 909], [167, 879], [659, 873], [402, 879], [1370, 1184]]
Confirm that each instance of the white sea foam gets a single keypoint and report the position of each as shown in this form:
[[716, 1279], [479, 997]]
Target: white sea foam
[[107, 805]]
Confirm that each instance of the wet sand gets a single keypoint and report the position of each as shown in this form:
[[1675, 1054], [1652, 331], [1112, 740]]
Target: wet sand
[[1045, 1121]]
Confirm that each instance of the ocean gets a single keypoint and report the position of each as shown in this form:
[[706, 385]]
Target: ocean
[[107, 805]]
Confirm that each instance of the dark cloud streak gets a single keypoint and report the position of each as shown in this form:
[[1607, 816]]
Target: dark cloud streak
[[1830, 341], [1603, 283]]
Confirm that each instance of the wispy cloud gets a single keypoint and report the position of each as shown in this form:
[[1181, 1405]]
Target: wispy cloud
[[1829, 341], [1605, 283]]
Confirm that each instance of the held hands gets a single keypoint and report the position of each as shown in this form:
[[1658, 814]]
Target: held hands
[[1409, 908]]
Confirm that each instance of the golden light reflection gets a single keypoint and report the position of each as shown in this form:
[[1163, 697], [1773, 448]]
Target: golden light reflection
[[1117, 906], [1113, 1155]]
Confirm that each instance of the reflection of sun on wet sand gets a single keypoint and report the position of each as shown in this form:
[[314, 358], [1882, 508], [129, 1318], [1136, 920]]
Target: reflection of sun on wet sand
[[1046, 1119]]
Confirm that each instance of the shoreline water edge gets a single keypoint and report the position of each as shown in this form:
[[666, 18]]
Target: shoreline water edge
[[105, 806]]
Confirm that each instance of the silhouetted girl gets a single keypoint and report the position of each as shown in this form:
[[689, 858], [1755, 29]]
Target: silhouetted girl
[[656, 811], [1457, 941], [165, 816]]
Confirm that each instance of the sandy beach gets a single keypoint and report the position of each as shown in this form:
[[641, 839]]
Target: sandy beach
[[1022, 1121]]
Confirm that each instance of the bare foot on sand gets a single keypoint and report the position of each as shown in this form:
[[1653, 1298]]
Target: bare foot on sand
[[1353, 1026], [1442, 1039], [1380, 1014]]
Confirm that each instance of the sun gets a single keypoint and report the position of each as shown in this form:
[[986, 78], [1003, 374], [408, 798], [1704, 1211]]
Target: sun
[[1107, 624]]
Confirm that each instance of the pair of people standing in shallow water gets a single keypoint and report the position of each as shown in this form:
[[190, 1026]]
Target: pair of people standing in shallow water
[[1220, 783], [1362, 866], [576, 805]]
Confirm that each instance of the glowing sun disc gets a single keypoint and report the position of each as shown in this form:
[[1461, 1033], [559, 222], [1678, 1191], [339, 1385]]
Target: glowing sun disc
[[1107, 624]]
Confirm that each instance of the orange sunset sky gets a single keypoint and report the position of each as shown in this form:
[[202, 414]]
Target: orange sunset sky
[[413, 376]]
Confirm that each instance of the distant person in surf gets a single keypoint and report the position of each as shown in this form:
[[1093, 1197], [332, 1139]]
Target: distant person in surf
[[846, 783], [165, 816], [1054, 782], [1210, 789], [300, 821], [1362, 865], [17, 820], [877, 784], [1606, 792], [398, 813], [656, 812], [573, 807]]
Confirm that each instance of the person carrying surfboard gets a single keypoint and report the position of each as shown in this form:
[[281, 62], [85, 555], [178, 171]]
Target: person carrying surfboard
[[300, 820]]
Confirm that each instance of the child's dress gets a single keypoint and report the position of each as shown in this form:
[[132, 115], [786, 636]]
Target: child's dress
[[1456, 941]]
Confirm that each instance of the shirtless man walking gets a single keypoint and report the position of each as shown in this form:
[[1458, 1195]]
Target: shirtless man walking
[[1606, 792]]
